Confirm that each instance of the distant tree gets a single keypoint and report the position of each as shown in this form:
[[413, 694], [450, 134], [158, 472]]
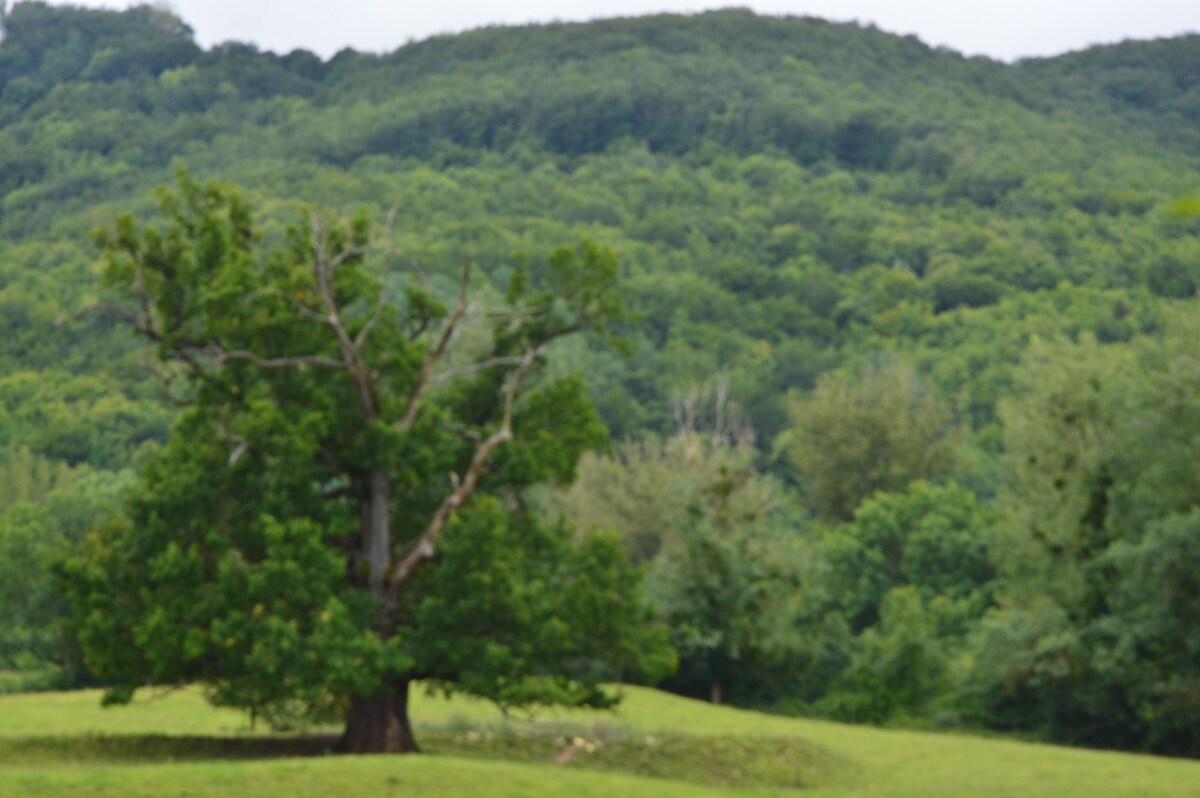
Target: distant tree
[[900, 665], [1061, 449], [718, 540], [877, 429], [45, 507], [337, 511], [1096, 544], [724, 582], [640, 489], [932, 538]]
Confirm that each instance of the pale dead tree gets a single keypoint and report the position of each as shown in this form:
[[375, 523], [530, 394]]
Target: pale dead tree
[[708, 409]]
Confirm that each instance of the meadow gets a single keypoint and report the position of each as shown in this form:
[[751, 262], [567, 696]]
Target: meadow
[[175, 744]]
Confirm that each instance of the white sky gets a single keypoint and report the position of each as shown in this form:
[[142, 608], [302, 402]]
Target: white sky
[[1004, 29]]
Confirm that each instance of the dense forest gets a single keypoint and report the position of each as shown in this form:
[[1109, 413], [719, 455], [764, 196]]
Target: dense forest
[[905, 423]]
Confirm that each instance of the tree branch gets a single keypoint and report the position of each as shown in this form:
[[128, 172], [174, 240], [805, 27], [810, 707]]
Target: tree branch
[[87, 310], [323, 268], [435, 354], [223, 356], [167, 381], [473, 368], [361, 339], [423, 547]]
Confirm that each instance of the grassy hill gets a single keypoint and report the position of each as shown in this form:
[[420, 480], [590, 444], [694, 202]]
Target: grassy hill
[[64, 744]]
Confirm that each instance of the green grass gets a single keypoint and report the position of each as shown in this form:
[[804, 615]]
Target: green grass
[[178, 712], [431, 777], [59, 744], [22, 681]]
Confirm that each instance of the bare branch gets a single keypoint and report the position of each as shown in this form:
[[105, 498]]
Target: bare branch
[[347, 254], [241, 445], [352, 360], [473, 368], [142, 323], [238, 452], [301, 308], [423, 547], [419, 330], [222, 356], [361, 339], [309, 313], [167, 380], [109, 307], [338, 493], [435, 354]]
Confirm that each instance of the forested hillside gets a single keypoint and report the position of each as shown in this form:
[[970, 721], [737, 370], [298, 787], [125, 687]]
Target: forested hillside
[[909, 421]]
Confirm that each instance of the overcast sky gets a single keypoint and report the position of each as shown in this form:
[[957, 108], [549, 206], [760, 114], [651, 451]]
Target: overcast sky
[[1004, 29]]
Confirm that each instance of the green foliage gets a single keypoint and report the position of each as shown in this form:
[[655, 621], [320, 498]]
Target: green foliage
[[511, 597], [27, 477], [49, 507], [934, 539], [904, 586], [719, 543], [856, 434], [1103, 459], [900, 665], [643, 490], [723, 582]]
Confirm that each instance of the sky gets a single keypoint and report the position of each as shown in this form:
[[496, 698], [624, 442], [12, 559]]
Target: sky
[[1004, 29]]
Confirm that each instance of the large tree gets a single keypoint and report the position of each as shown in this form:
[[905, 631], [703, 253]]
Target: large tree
[[338, 510]]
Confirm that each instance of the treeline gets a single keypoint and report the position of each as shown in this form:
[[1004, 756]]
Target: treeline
[[903, 430], [893, 586]]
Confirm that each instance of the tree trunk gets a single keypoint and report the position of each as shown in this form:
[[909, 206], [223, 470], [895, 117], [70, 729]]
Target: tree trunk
[[376, 531], [378, 724], [714, 693]]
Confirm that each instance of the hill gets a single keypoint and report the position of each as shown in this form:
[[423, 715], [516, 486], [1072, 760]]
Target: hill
[[773, 183]]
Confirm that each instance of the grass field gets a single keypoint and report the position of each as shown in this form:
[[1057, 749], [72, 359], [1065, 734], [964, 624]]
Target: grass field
[[60, 744]]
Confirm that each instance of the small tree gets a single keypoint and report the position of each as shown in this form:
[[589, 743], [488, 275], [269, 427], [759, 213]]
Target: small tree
[[337, 510], [720, 544], [724, 582]]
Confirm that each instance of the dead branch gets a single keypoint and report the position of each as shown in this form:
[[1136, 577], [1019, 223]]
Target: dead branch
[[435, 353], [167, 380], [87, 310], [352, 360], [223, 356], [423, 547], [473, 368], [360, 340]]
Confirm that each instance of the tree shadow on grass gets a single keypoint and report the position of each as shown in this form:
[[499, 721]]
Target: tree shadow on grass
[[726, 762], [150, 748]]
